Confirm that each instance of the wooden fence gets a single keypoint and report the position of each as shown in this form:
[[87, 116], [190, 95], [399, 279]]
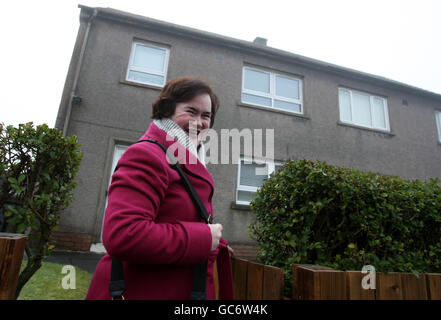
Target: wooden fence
[[11, 255], [320, 283], [254, 281]]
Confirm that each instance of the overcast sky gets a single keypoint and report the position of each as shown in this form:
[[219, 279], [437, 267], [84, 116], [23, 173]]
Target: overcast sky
[[396, 39]]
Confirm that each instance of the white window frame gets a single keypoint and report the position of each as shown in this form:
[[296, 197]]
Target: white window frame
[[371, 99], [438, 123], [272, 95], [145, 70], [240, 187]]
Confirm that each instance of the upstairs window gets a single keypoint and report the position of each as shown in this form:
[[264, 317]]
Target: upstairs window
[[362, 109], [148, 64], [251, 176], [272, 90], [438, 123]]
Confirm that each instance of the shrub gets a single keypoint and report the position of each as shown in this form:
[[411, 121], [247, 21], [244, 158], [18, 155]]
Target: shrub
[[314, 213], [37, 170]]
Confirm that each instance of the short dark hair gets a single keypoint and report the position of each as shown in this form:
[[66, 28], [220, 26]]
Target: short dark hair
[[182, 90]]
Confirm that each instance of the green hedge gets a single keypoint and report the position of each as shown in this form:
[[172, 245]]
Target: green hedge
[[315, 213]]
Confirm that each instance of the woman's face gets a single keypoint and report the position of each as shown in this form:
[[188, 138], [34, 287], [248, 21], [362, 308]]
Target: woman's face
[[194, 116]]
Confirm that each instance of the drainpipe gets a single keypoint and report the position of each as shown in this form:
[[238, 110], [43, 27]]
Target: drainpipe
[[77, 71]]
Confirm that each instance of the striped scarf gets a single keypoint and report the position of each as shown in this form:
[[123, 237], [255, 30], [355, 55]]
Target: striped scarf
[[172, 129]]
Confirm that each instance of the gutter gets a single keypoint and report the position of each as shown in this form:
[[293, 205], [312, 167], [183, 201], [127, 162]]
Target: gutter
[[77, 72]]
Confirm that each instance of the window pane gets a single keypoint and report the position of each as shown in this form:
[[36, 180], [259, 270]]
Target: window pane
[[345, 105], [438, 122], [378, 116], [146, 78], [362, 109], [288, 106], [256, 80], [249, 98], [248, 175], [149, 58], [286, 87], [245, 195]]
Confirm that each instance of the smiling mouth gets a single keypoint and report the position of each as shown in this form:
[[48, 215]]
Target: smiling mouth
[[192, 132]]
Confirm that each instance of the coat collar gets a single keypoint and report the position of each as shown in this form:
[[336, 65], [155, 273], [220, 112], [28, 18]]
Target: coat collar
[[186, 158]]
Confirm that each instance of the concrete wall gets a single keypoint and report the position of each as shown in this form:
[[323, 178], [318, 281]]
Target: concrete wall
[[113, 111]]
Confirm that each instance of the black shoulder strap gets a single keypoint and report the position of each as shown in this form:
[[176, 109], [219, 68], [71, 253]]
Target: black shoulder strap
[[117, 283]]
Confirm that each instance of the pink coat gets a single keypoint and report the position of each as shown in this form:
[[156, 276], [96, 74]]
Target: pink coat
[[152, 225]]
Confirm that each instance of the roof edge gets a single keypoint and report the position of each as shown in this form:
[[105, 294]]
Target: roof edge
[[126, 17]]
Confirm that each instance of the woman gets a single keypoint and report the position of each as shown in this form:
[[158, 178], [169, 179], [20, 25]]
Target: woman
[[151, 223]]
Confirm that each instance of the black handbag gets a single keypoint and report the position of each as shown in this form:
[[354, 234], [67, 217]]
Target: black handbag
[[117, 283]]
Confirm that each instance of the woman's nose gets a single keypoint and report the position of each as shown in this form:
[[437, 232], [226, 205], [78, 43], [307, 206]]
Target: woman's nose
[[195, 124], [199, 122]]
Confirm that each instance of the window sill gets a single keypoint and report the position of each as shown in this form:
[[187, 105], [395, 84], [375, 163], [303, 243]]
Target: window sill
[[387, 133], [142, 85], [299, 115], [242, 207]]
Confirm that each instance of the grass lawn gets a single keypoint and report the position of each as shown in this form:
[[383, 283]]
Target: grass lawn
[[47, 283]]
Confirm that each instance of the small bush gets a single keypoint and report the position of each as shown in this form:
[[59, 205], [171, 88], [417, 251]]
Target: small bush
[[37, 170], [314, 213]]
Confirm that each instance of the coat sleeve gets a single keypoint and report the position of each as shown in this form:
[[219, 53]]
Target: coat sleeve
[[130, 232]]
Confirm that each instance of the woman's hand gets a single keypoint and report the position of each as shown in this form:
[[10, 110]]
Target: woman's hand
[[216, 234]]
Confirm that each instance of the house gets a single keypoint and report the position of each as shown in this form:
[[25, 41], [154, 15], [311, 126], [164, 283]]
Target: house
[[316, 110]]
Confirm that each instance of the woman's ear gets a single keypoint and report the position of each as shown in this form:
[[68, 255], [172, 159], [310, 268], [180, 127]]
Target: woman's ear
[[167, 107]]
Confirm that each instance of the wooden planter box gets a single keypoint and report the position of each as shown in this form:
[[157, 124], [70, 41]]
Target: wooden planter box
[[11, 255], [322, 283]]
